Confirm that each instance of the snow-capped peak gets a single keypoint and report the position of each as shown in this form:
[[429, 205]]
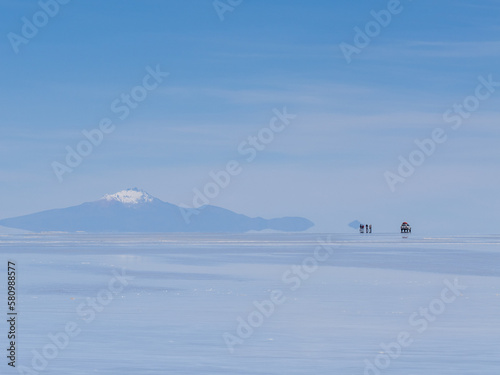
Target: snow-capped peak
[[130, 196]]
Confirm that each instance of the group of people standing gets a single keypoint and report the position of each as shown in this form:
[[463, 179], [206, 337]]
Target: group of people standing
[[365, 228]]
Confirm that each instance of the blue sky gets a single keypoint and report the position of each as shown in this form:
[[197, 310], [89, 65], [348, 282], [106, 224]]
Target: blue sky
[[353, 121]]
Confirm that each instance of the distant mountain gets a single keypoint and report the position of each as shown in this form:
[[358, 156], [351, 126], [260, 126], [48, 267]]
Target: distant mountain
[[134, 210]]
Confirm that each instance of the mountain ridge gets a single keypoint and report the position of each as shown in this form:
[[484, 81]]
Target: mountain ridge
[[134, 210]]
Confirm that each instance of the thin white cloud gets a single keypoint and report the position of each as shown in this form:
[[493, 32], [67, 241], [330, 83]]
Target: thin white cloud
[[433, 49]]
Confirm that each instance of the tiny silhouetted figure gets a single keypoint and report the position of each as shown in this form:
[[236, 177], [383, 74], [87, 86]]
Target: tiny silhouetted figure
[[366, 226], [370, 228], [361, 228]]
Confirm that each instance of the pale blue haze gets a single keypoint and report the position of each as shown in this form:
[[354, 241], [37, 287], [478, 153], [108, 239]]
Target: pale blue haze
[[353, 120]]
